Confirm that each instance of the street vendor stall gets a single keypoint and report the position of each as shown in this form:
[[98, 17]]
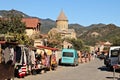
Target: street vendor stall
[[50, 60]]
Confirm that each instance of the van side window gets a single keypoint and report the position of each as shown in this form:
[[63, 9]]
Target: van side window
[[67, 54], [114, 53]]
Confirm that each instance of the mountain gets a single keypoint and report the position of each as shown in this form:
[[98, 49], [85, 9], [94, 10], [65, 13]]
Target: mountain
[[96, 25], [46, 25], [5, 13], [100, 33], [90, 34], [78, 28]]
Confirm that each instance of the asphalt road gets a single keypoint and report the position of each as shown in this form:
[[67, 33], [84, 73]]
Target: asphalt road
[[93, 70]]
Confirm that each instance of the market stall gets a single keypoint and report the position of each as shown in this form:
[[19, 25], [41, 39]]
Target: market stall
[[50, 61]]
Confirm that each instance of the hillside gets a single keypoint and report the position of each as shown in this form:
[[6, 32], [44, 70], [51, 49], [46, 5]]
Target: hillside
[[46, 25], [103, 33], [5, 13], [90, 34]]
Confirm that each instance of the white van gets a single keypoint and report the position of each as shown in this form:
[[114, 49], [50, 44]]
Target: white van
[[114, 56]]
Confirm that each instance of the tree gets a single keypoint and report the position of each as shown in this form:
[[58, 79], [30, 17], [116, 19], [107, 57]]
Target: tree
[[54, 39], [11, 25], [116, 41], [3, 26], [15, 24], [77, 43]]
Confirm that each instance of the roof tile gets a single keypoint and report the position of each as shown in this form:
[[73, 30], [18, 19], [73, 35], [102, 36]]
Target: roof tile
[[31, 22]]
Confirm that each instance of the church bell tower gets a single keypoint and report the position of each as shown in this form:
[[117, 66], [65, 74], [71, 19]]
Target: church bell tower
[[62, 21]]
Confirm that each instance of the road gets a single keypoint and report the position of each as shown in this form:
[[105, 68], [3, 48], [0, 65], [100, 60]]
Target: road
[[93, 70]]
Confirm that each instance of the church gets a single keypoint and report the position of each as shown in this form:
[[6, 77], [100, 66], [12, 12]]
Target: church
[[62, 27]]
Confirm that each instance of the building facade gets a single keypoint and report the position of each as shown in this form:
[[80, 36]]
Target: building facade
[[32, 26]]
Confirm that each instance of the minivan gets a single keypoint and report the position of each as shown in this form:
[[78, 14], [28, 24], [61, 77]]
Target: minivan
[[114, 56], [70, 57]]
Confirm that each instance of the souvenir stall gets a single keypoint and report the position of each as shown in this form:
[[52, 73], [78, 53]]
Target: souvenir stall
[[28, 61], [21, 60], [48, 57], [35, 62]]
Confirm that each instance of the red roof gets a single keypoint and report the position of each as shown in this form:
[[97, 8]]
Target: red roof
[[31, 22], [49, 48]]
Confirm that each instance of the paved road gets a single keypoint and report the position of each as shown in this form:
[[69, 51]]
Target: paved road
[[93, 70]]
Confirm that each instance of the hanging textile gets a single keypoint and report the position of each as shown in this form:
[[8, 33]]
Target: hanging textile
[[32, 57], [12, 54], [7, 54], [23, 57]]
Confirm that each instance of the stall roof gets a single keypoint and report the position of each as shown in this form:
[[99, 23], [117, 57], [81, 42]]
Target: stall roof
[[49, 48]]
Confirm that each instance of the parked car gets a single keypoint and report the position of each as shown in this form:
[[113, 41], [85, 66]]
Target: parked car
[[69, 56]]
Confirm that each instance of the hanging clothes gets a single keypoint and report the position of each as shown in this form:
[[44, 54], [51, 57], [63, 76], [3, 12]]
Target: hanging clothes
[[48, 61], [7, 54], [32, 54], [23, 57], [12, 54]]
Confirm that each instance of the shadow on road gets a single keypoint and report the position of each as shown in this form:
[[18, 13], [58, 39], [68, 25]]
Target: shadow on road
[[116, 78], [103, 68]]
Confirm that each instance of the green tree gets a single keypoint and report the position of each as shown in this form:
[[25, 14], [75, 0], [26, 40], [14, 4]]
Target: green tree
[[86, 48], [11, 25], [3, 26], [77, 43], [55, 40], [116, 41], [14, 23]]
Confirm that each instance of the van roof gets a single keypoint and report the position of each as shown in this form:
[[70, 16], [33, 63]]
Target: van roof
[[69, 50], [114, 47]]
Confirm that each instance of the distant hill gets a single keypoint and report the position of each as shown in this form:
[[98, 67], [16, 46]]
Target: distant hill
[[100, 33], [90, 34], [46, 25], [4, 13], [96, 25]]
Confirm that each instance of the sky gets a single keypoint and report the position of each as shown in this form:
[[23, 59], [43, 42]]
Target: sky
[[83, 12]]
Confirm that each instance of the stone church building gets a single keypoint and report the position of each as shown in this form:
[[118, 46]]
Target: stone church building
[[62, 27]]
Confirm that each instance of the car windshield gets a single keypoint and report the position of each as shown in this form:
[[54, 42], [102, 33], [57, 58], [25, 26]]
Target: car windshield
[[67, 54]]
